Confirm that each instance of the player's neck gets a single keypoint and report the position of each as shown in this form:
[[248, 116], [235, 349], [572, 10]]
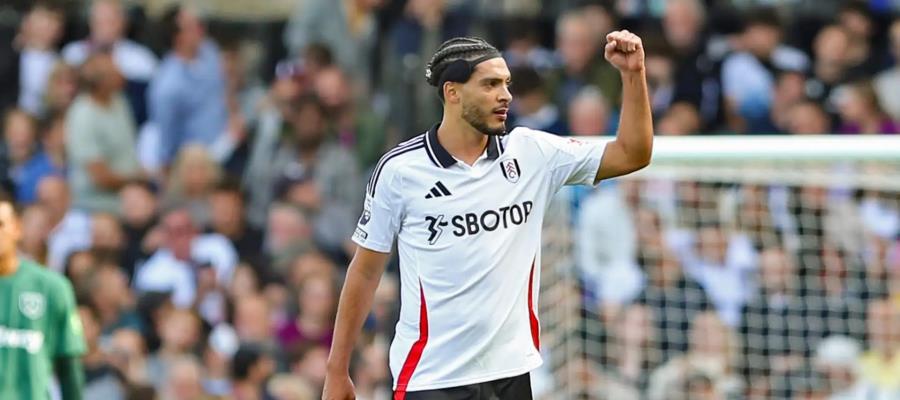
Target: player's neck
[[461, 139], [9, 265]]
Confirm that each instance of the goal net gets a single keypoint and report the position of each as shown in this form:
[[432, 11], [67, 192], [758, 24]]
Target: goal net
[[732, 267]]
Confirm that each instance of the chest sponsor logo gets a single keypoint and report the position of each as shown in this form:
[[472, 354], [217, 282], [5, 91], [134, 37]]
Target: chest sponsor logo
[[473, 223], [511, 170], [30, 340], [32, 304]]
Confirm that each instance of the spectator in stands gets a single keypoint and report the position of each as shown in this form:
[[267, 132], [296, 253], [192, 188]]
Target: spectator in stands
[[836, 292], [39, 35], [18, 147], [70, 228], [829, 68], [747, 82], [62, 88], [660, 65], [609, 270], [137, 63], [35, 230], [288, 234], [50, 159], [524, 47], [287, 387], [861, 113], [347, 28], [356, 129], [193, 177], [227, 218], [631, 353], [100, 138], [138, 203], [253, 320], [532, 108], [774, 322], [316, 174], [107, 237], [186, 99], [790, 89], [194, 267], [371, 377], [723, 263], [859, 22], [677, 299], [837, 359], [807, 118], [184, 379], [713, 353], [101, 381], [251, 367], [108, 293], [180, 331], [316, 305], [222, 344], [127, 353], [414, 37], [887, 83], [589, 113], [696, 61], [579, 48], [244, 92], [307, 362], [682, 118], [878, 365]]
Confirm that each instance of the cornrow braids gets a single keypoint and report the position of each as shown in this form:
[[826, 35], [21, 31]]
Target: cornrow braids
[[455, 60]]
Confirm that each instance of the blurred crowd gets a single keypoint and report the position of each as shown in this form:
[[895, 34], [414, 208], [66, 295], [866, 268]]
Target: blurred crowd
[[198, 184]]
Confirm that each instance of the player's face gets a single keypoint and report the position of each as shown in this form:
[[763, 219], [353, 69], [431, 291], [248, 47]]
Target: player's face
[[485, 97], [9, 230]]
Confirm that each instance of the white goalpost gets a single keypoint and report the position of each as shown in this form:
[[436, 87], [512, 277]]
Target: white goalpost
[[732, 267]]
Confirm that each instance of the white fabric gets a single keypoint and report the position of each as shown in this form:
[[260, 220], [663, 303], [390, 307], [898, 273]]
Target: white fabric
[[473, 267], [72, 234], [35, 67], [164, 273], [135, 61]]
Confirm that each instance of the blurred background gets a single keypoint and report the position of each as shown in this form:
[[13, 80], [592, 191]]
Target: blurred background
[[196, 169]]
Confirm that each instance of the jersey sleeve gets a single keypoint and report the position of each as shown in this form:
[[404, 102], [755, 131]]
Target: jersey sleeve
[[382, 212], [571, 161], [69, 332]]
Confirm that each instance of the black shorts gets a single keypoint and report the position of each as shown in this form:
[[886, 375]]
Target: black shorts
[[515, 388]]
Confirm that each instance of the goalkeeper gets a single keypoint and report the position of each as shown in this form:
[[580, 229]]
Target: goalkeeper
[[465, 201]]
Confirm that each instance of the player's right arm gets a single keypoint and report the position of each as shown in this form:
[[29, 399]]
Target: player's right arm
[[356, 301], [375, 232]]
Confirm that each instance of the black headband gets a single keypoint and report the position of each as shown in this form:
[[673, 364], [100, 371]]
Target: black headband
[[457, 70]]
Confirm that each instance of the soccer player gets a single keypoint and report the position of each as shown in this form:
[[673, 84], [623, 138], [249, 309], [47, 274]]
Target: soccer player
[[465, 201], [40, 331]]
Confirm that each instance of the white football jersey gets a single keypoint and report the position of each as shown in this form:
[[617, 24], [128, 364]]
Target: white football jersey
[[469, 240]]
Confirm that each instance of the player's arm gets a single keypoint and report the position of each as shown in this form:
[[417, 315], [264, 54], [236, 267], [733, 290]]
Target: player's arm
[[70, 345], [70, 374], [631, 149], [362, 279]]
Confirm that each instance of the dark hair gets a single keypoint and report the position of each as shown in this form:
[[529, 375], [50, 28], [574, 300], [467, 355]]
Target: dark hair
[[244, 359], [467, 49], [318, 53], [526, 80], [168, 26], [763, 16], [8, 198]]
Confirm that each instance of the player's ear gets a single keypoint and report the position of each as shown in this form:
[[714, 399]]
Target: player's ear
[[451, 92]]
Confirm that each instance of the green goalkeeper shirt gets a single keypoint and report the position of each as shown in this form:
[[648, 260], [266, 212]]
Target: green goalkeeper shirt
[[38, 323]]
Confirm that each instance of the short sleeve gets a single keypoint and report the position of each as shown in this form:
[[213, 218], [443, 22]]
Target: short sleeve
[[571, 161], [70, 339], [382, 210]]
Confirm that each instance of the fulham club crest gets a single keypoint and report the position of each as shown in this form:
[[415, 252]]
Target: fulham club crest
[[510, 170]]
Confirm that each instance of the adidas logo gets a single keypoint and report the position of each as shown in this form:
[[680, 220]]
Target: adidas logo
[[438, 190]]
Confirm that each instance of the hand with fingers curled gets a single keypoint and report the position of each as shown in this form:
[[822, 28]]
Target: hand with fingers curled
[[625, 51]]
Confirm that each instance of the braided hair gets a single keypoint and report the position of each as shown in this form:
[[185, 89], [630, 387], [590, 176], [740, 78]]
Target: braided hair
[[455, 60]]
